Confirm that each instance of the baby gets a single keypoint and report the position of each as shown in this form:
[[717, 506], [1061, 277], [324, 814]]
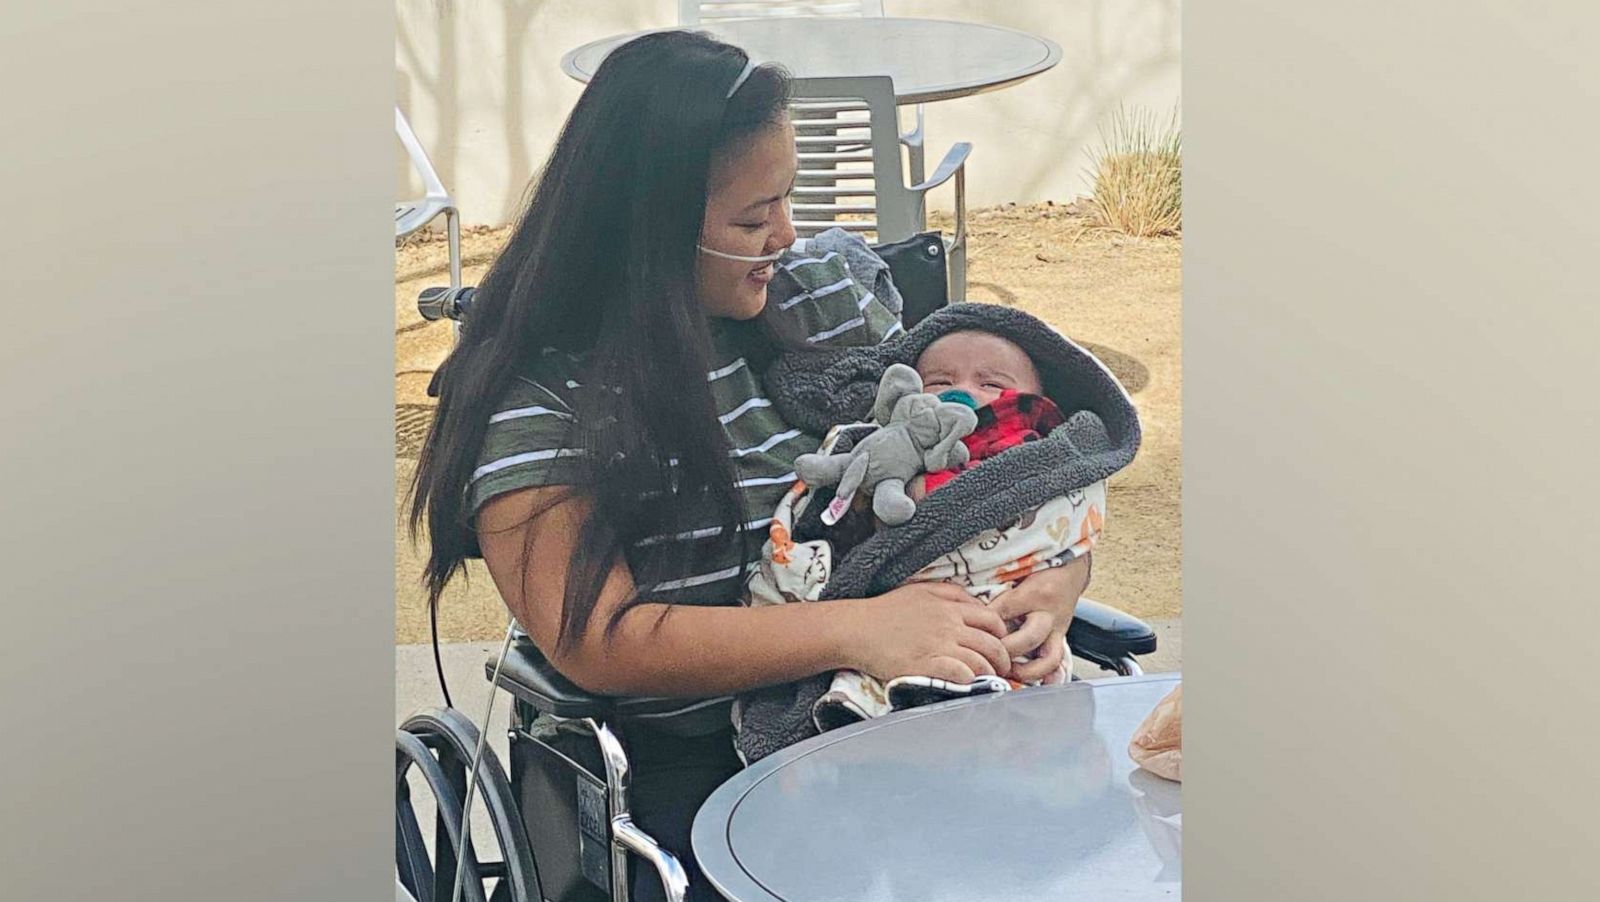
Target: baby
[[995, 376], [1000, 380]]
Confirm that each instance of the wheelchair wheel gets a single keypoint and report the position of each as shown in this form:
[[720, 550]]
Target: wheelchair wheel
[[447, 739], [430, 883]]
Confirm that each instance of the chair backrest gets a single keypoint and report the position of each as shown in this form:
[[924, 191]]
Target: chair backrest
[[850, 170], [419, 157], [695, 12]]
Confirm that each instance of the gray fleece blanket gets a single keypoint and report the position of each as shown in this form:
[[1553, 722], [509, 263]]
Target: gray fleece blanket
[[816, 391]]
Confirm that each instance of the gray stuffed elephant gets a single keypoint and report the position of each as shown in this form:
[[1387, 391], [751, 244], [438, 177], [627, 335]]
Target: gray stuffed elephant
[[916, 433]]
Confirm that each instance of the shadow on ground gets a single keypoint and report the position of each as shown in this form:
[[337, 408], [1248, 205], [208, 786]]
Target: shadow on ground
[[1133, 375]]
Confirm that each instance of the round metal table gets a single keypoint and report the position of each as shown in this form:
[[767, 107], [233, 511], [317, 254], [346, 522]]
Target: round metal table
[[1027, 795], [928, 59]]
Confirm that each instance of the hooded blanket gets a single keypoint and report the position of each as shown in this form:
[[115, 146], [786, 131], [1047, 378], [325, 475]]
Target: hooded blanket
[[818, 390]]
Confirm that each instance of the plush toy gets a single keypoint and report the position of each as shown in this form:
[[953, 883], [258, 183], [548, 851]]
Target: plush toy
[[916, 432]]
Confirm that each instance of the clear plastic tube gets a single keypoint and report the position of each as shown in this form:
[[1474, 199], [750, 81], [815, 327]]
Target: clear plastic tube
[[477, 756], [769, 258]]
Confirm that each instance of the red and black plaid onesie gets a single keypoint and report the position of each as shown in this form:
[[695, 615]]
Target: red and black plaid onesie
[[1013, 418]]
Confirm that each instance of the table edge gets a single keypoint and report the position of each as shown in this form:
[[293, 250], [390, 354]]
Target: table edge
[[933, 94]]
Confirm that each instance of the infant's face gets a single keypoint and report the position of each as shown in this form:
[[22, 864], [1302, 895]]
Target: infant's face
[[978, 363]]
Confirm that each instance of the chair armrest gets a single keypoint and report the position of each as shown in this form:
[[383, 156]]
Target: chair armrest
[[1106, 636], [531, 678], [953, 160]]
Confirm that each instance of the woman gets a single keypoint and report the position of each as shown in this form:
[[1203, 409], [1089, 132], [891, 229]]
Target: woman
[[603, 437]]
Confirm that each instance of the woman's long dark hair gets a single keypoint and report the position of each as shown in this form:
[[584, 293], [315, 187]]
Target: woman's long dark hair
[[602, 264]]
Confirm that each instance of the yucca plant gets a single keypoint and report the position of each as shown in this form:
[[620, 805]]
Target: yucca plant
[[1138, 174]]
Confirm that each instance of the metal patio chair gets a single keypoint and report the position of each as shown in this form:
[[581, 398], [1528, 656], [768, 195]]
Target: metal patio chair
[[411, 215], [850, 175]]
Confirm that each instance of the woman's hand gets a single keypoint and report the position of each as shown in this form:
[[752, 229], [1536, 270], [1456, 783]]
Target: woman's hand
[[1044, 603], [928, 629]]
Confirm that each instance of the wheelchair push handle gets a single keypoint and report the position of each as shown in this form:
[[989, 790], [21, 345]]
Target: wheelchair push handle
[[444, 302]]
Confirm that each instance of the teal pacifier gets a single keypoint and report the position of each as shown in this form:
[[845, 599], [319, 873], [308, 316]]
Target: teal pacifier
[[958, 396]]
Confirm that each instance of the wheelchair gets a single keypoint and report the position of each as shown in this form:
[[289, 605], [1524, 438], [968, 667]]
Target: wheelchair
[[560, 815]]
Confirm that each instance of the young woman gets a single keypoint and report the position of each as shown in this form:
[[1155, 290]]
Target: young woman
[[604, 439]]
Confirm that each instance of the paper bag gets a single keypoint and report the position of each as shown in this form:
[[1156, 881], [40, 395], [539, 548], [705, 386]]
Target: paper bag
[[1157, 745]]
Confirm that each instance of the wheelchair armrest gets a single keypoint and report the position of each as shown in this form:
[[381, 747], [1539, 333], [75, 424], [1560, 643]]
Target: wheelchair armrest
[[1102, 633], [529, 676]]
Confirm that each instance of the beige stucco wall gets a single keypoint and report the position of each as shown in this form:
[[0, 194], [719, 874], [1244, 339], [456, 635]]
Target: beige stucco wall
[[481, 82]]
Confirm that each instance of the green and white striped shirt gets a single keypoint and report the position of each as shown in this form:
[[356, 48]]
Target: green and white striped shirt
[[529, 442]]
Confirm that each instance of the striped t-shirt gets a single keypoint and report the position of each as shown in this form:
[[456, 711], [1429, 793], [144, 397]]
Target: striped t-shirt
[[529, 441]]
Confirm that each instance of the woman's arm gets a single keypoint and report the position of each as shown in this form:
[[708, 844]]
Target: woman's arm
[[688, 650]]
